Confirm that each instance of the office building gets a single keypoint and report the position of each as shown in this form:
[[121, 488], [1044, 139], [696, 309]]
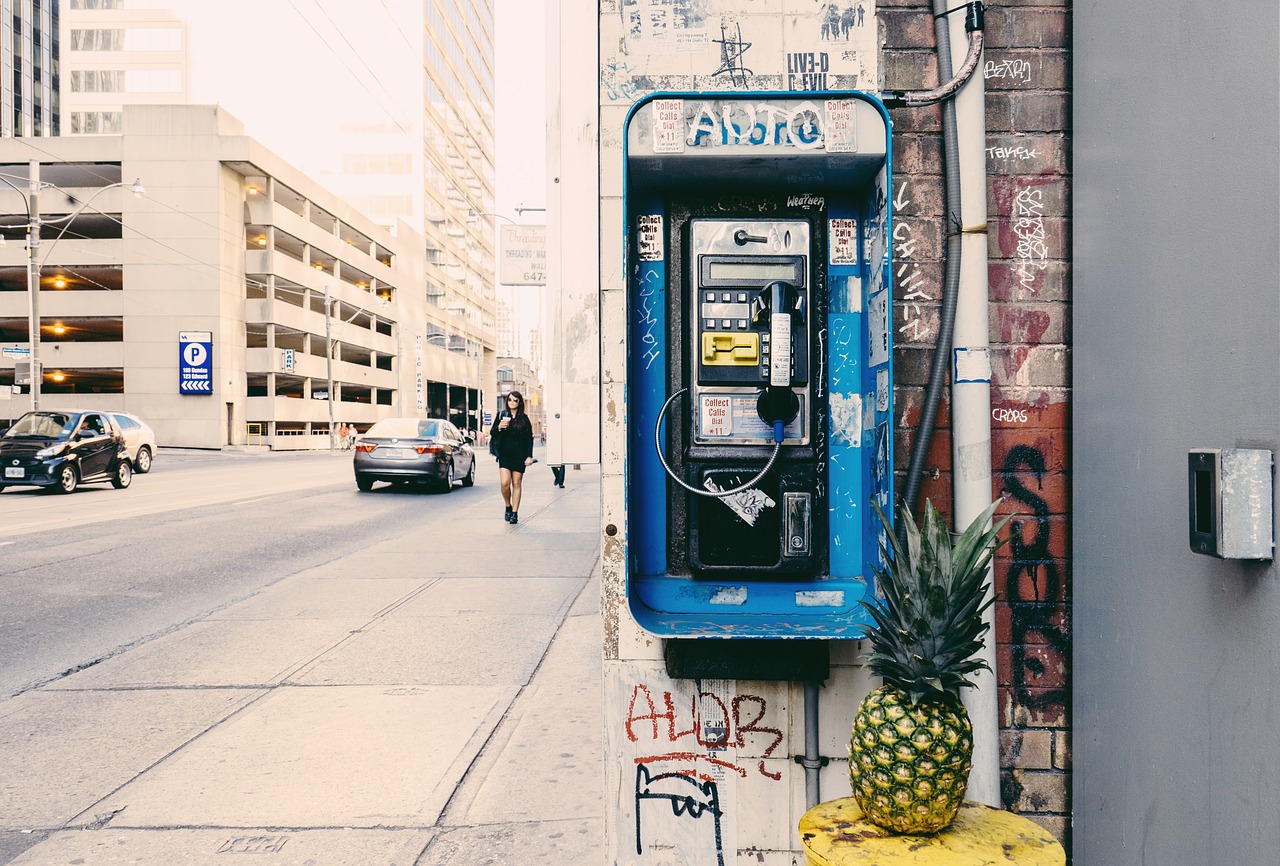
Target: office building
[[115, 54], [29, 68]]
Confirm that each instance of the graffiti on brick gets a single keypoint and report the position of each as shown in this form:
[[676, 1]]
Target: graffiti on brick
[[1014, 70], [908, 275], [1027, 221], [1015, 153], [1037, 641], [1005, 415]]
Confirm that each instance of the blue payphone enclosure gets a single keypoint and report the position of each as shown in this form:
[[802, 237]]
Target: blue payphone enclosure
[[755, 165]]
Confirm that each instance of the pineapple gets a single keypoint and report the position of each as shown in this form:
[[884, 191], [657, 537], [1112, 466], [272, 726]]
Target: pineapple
[[912, 744]]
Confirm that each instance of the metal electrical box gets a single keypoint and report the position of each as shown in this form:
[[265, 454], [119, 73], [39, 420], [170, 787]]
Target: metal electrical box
[[1230, 502]]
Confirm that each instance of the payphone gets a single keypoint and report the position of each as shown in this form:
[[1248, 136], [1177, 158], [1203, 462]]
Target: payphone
[[758, 383], [748, 287]]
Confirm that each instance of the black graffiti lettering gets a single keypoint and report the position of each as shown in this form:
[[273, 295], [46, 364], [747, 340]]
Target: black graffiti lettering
[[687, 797], [1032, 617]]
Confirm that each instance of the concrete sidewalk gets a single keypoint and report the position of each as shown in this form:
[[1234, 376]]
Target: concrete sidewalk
[[407, 705]]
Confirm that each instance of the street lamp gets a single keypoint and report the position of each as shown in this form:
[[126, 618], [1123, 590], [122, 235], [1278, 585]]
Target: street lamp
[[329, 346], [33, 224]]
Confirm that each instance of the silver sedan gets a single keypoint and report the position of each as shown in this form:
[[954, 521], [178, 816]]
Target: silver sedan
[[414, 450]]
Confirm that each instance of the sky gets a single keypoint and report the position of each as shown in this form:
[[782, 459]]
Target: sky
[[521, 132], [287, 90], [345, 62]]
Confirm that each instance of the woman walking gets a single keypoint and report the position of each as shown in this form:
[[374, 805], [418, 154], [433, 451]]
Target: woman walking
[[512, 434]]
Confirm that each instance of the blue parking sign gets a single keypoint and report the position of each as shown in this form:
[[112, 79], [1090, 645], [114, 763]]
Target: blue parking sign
[[195, 362]]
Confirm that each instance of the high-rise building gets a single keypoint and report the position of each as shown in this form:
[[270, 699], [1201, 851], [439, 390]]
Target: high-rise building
[[29, 76], [458, 129], [115, 54]]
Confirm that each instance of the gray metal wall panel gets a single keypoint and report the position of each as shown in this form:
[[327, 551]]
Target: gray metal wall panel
[[1176, 657]]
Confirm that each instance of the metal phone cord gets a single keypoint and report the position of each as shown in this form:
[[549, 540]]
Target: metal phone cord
[[721, 494]]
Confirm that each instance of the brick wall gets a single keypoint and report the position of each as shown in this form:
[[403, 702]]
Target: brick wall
[[1027, 76]]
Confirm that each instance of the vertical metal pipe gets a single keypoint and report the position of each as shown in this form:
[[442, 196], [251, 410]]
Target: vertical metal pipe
[[812, 761], [971, 397], [328, 361], [33, 278]]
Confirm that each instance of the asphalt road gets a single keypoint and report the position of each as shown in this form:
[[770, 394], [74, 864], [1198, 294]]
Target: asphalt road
[[86, 576]]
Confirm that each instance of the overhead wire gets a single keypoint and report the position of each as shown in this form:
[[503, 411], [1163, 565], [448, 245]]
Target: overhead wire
[[343, 61]]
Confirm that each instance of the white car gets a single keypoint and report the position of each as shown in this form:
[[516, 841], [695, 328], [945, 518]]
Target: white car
[[139, 439]]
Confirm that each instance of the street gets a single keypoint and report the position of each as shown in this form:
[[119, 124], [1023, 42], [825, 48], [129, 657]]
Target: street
[[243, 647]]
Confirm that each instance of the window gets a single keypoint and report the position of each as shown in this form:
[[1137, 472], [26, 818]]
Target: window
[[97, 40], [96, 122], [97, 80], [97, 4], [153, 39], [153, 81]]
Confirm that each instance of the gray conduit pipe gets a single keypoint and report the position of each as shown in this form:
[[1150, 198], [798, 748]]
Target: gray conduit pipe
[[951, 209], [812, 761]]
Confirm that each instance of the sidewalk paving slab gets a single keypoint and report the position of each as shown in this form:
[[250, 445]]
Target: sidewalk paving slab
[[217, 653], [358, 756], [64, 750]]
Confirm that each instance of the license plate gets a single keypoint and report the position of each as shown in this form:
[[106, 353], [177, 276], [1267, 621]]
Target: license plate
[[394, 453], [14, 472]]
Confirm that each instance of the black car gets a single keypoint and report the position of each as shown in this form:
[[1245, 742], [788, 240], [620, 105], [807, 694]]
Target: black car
[[61, 449], [401, 450]]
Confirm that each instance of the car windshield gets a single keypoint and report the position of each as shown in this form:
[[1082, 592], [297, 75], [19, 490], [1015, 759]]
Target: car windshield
[[404, 428], [44, 425]]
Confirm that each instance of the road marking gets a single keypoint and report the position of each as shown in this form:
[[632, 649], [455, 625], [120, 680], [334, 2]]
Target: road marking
[[249, 501]]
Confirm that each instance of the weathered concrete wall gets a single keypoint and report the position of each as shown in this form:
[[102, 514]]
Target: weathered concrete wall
[[745, 733]]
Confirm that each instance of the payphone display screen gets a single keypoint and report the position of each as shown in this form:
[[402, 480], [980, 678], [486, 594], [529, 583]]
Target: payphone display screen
[[721, 270]]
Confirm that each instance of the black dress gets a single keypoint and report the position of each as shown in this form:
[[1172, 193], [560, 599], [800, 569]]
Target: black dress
[[515, 444]]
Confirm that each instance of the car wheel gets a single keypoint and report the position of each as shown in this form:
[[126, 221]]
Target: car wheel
[[364, 483], [124, 475], [142, 463], [67, 479], [469, 479], [447, 481]]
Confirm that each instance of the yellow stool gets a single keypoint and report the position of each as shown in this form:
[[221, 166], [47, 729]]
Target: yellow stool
[[835, 834]]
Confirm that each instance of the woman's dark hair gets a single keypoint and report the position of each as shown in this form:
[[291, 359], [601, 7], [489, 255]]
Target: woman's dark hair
[[520, 405]]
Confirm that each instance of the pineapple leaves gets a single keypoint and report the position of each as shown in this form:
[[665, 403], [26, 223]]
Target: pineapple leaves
[[929, 626]]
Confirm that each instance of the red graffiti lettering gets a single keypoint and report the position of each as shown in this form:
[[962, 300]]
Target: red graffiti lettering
[[752, 727]]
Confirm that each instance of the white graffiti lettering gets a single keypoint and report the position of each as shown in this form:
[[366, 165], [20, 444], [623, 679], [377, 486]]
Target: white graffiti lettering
[[1009, 416], [807, 201], [1013, 152], [755, 124], [1017, 70], [908, 275], [1027, 219]]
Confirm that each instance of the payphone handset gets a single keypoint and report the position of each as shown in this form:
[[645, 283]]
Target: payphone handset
[[750, 331]]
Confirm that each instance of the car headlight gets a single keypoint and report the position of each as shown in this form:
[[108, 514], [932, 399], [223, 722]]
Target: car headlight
[[51, 451]]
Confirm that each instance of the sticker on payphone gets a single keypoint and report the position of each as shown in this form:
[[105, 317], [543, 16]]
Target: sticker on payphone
[[734, 416]]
